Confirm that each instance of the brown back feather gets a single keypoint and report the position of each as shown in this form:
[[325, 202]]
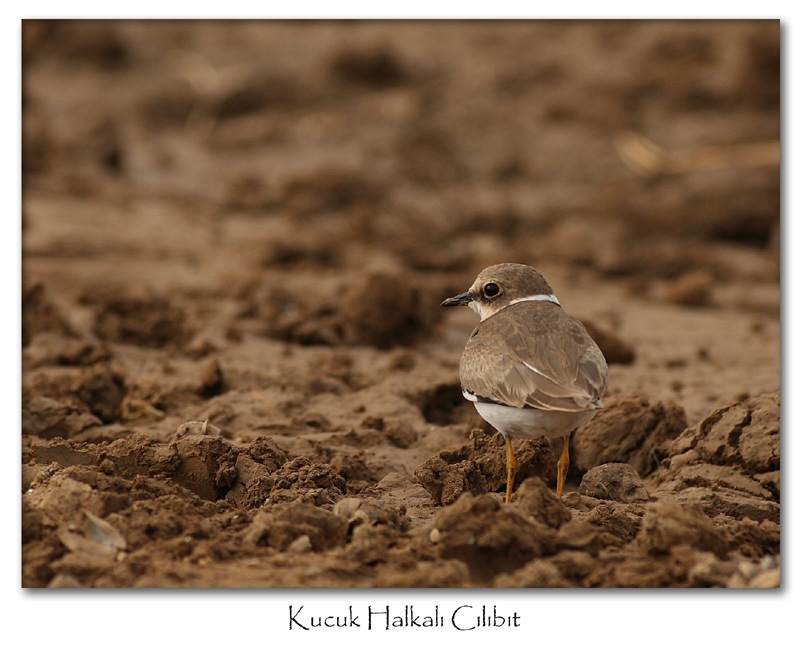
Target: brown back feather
[[570, 371]]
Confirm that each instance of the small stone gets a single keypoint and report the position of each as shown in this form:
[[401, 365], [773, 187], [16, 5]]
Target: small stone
[[748, 570], [614, 482], [347, 507], [197, 428], [767, 580], [102, 532], [300, 545]]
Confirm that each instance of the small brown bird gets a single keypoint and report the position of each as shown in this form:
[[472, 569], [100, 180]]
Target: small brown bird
[[530, 369]]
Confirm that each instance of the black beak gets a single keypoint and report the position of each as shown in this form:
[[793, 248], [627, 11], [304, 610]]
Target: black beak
[[462, 299]]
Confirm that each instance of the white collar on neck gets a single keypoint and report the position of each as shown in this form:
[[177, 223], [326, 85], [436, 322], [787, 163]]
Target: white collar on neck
[[538, 297]]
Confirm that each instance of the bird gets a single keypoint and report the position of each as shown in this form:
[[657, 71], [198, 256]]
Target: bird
[[529, 368]]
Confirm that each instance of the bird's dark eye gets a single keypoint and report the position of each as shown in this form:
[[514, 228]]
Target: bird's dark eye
[[492, 290]]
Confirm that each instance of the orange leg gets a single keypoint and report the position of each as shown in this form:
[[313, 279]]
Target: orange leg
[[511, 468], [563, 466]]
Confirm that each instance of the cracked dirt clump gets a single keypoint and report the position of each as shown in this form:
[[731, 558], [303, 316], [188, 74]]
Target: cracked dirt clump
[[480, 466]]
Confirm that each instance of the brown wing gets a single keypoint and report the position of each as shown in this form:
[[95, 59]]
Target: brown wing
[[544, 359]]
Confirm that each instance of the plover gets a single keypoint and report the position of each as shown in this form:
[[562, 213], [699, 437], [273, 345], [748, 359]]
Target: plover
[[530, 369]]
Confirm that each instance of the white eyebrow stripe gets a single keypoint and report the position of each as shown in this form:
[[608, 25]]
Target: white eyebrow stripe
[[538, 297]]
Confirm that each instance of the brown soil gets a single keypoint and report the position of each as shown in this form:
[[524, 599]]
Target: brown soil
[[235, 239]]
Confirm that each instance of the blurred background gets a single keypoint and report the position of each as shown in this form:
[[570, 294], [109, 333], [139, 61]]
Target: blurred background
[[188, 185], [636, 149]]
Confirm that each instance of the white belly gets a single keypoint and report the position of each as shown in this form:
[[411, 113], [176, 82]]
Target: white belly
[[532, 423]]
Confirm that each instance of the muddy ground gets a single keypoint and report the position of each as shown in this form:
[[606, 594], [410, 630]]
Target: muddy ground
[[236, 237]]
